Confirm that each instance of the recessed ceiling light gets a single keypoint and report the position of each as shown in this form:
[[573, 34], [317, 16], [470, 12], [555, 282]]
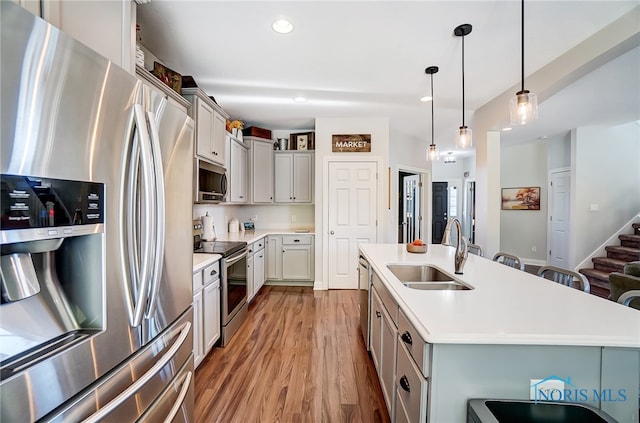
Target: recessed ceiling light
[[426, 98], [282, 26], [300, 99], [508, 128], [543, 137]]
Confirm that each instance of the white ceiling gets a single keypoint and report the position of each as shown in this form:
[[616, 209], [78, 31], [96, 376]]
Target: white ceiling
[[367, 58]]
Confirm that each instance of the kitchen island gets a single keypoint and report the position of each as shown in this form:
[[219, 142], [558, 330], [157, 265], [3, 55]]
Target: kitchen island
[[494, 340]]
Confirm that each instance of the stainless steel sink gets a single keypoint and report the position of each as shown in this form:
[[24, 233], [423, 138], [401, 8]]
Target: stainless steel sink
[[418, 273], [426, 277], [435, 286], [503, 411]]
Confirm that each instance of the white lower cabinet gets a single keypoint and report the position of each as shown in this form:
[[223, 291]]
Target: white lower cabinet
[[259, 273], [211, 314], [290, 258], [255, 267], [411, 388], [206, 311], [274, 257], [198, 335]]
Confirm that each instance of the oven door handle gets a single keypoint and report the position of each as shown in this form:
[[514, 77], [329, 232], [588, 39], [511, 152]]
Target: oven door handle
[[236, 258]]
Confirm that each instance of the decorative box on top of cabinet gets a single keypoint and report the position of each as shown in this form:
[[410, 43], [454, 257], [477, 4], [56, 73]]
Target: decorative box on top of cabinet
[[210, 122]]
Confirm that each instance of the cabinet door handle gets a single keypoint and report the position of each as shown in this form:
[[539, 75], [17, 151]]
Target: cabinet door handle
[[378, 315], [296, 240], [406, 337], [404, 383], [213, 272], [260, 256]]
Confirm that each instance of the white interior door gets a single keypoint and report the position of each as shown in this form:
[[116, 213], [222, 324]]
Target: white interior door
[[559, 194], [353, 218]]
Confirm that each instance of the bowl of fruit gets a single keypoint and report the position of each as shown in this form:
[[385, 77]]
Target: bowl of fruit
[[417, 246]]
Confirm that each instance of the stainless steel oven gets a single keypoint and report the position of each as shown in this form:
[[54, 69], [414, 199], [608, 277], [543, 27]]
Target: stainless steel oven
[[234, 293], [233, 279]]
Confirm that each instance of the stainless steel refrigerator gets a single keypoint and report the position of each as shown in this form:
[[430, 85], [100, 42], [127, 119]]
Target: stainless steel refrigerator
[[96, 178]]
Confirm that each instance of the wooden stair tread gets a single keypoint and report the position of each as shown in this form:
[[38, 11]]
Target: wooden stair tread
[[635, 237], [597, 275]]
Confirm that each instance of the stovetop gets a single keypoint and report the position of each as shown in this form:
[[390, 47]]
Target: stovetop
[[224, 248]]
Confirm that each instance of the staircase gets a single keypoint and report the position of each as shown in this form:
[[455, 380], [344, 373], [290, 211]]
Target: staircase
[[617, 257]]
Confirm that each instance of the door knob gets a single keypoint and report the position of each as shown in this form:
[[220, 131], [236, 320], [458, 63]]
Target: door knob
[[332, 232]]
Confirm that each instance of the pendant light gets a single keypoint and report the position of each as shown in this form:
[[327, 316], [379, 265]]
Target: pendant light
[[432, 152], [464, 139], [523, 107]]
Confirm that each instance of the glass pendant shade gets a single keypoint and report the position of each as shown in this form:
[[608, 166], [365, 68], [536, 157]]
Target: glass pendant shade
[[523, 108], [432, 153], [464, 139]]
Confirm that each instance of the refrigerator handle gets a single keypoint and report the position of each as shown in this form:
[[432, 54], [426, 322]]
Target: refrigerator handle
[[158, 262], [147, 241], [186, 383], [144, 379]]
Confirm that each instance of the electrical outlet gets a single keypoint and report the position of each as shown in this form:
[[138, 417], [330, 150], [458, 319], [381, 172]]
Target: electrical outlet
[[254, 218], [534, 248], [293, 218]]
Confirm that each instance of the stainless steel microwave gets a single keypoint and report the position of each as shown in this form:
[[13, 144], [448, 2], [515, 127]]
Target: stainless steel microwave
[[210, 182]]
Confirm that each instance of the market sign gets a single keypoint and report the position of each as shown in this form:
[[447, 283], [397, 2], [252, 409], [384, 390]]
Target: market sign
[[354, 143]]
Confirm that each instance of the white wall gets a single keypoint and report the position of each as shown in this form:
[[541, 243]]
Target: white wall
[[559, 151], [607, 176], [325, 128], [521, 231]]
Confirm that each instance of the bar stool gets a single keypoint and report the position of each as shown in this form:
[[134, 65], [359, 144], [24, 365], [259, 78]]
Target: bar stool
[[509, 260]]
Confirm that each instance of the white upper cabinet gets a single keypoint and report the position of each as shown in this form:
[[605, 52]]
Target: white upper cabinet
[[238, 160], [293, 177], [210, 121], [261, 170]]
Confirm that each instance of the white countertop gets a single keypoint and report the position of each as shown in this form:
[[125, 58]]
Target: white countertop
[[251, 236], [200, 261], [507, 306]]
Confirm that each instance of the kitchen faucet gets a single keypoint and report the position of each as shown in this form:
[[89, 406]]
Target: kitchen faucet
[[461, 247]]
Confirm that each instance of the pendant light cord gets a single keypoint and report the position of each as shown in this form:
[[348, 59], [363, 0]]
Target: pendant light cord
[[522, 42], [432, 100], [463, 80]]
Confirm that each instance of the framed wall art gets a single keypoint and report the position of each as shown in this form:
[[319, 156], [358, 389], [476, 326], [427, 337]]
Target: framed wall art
[[524, 198]]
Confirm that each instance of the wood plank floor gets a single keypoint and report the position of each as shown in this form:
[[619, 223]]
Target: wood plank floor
[[299, 357]]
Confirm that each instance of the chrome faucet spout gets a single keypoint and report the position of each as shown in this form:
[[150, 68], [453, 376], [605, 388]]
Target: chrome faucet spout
[[461, 245]]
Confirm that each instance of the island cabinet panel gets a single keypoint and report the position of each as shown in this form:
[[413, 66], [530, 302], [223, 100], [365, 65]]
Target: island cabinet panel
[[376, 329], [418, 349], [384, 344], [411, 387]]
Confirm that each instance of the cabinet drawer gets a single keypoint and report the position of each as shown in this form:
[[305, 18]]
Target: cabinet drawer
[[211, 273], [255, 246], [419, 350], [197, 281], [296, 239], [411, 387], [387, 299]]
